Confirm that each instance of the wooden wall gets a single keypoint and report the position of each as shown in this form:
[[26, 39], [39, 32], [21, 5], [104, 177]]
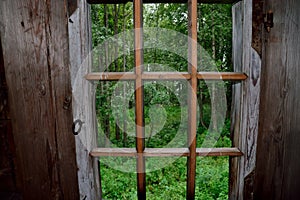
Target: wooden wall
[[35, 45], [39, 53], [7, 148], [80, 41], [278, 151], [246, 97]]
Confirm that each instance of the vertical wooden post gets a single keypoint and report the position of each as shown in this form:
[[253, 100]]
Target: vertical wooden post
[[80, 42], [139, 97], [192, 105], [236, 137], [278, 164], [245, 107], [36, 59]]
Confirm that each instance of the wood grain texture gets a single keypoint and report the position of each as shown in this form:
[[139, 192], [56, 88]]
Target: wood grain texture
[[278, 163], [246, 97], [84, 101], [248, 192], [237, 43], [35, 48]]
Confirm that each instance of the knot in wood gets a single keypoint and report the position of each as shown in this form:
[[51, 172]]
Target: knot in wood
[[67, 103], [42, 90]]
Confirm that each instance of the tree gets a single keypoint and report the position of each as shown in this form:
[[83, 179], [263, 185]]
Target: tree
[[214, 35]]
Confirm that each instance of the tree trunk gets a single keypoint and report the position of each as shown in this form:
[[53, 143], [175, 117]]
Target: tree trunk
[[124, 85], [213, 85], [106, 116], [116, 63]]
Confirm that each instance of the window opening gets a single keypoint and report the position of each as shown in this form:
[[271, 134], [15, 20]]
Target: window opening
[[135, 80]]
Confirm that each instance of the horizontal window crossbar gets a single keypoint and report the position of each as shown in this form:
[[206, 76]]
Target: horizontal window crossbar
[[161, 1], [164, 152], [115, 76]]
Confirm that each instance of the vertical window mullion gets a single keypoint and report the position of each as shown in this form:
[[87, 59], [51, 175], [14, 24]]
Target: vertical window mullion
[[192, 105], [139, 97]]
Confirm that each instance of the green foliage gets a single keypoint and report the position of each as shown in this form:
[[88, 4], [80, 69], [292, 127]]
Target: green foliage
[[212, 178], [103, 20], [215, 24], [161, 101], [170, 182], [117, 185]]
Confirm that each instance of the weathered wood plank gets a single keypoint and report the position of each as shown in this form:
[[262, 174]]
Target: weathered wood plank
[[246, 101], [24, 98], [277, 165], [165, 152], [84, 101], [237, 43], [60, 80], [35, 49]]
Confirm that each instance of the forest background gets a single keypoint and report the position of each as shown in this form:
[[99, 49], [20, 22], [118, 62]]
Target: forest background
[[215, 36]]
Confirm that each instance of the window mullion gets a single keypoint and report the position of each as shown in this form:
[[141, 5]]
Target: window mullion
[[138, 76], [139, 98], [192, 105], [116, 76]]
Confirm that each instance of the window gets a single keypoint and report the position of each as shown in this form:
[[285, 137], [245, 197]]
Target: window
[[140, 76]]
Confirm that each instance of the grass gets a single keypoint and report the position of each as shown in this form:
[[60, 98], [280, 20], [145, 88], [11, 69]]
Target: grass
[[169, 182]]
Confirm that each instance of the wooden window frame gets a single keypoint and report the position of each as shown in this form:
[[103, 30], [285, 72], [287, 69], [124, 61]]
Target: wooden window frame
[[140, 152]]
